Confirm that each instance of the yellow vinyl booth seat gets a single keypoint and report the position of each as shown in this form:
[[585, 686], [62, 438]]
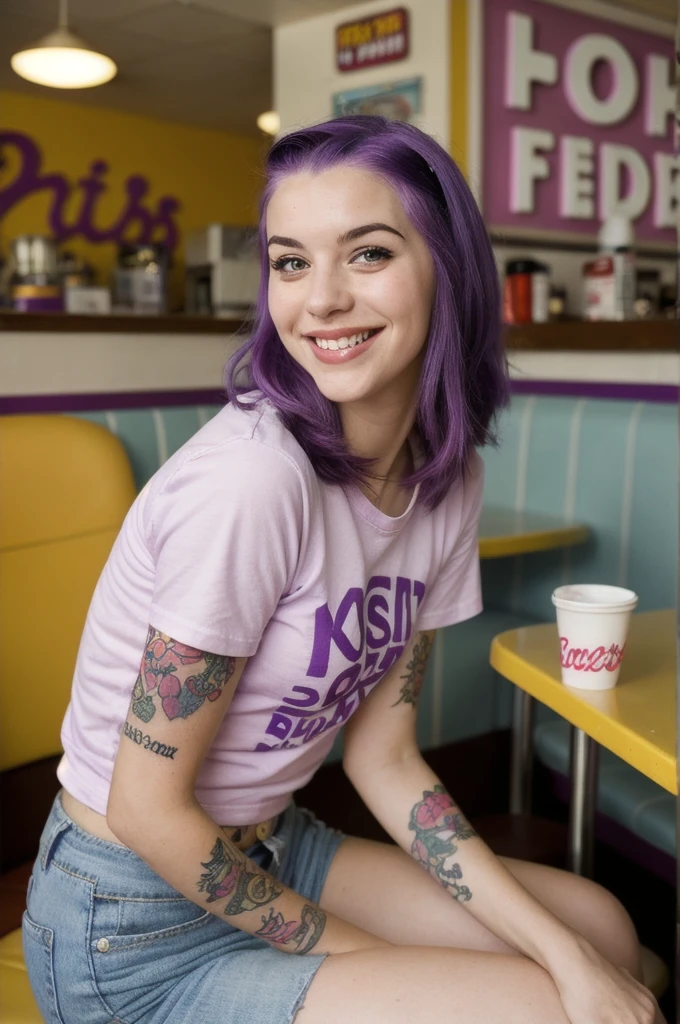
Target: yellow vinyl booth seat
[[65, 488]]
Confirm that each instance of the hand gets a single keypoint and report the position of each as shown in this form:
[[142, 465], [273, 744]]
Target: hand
[[594, 992]]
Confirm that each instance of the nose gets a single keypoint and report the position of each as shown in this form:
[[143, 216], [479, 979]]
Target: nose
[[327, 293]]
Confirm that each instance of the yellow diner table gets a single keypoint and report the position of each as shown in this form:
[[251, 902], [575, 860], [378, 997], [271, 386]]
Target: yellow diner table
[[636, 720], [504, 532]]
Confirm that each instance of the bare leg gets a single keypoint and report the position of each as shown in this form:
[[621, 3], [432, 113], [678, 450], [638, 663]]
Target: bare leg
[[415, 984], [381, 889]]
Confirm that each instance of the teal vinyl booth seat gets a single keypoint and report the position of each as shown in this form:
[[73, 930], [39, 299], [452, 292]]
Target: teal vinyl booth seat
[[611, 464]]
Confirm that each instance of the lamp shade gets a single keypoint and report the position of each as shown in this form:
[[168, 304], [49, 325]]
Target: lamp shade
[[64, 61], [269, 122]]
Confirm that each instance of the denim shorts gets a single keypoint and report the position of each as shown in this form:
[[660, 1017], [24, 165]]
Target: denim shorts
[[108, 941]]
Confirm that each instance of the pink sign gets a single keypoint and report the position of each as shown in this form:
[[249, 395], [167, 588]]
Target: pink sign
[[577, 122]]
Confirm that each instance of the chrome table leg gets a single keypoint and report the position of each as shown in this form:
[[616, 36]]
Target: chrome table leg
[[522, 752], [583, 772]]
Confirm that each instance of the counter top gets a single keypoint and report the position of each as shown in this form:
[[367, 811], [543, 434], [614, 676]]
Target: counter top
[[563, 335], [117, 323]]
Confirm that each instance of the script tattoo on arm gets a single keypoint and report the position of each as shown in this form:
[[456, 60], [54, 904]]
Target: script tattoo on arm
[[229, 877], [439, 826], [415, 669], [158, 683]]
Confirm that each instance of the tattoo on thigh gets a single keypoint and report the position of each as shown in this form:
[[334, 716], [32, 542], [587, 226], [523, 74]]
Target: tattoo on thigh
[[228, 877], [415, 670], [158, 683], [439, 825], [300, 936]]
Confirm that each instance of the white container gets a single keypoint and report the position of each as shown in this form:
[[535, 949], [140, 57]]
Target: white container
[[592, 622], [87, 299], [609, 280]]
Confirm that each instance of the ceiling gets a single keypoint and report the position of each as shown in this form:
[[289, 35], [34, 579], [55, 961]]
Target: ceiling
[[201, 62]]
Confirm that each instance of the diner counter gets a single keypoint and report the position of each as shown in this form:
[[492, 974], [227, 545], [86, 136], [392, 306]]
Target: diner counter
[[563, 335], [52, 362]]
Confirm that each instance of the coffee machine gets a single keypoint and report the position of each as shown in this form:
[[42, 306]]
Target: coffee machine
[[222, 270]]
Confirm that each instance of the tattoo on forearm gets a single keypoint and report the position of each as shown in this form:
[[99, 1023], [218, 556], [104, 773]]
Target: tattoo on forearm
[[415, 670], [300, 936], [229, 877], [158, 683], [438, 824], [144, 740]]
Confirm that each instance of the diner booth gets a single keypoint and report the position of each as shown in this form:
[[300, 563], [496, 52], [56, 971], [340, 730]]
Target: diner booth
[[561, 116]]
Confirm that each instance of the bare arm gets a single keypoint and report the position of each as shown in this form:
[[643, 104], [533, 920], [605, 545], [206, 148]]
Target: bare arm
[[383, 762], [177, 706]]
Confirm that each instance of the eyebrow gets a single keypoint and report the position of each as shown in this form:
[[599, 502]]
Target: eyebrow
[[349, 236]]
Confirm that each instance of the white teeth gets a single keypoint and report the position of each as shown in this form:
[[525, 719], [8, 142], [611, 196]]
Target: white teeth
[[344, 342]]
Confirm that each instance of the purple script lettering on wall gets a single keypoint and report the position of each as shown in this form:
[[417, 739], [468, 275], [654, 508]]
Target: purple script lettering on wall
[[136, 223], [370, 630]]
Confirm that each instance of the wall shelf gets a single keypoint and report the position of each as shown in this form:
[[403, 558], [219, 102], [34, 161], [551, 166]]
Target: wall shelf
[[562, 335]]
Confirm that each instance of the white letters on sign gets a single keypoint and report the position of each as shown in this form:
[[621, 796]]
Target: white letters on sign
[[581, 60], [528, 165], [523, 64], [667, 190], [577, 166], [614, 159], [660, 95], [596, 178]]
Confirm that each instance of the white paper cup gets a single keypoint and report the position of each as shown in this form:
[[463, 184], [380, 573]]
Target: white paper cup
[[592, 622]]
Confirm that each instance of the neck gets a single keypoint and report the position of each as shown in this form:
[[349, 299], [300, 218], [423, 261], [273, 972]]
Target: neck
[[382, 435]]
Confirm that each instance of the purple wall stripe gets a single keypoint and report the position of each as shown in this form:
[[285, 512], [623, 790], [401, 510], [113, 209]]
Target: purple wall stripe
[[112, 400], [598, 389], [667, 393]]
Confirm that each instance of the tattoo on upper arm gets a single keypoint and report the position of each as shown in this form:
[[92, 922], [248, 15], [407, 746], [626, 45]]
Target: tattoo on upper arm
[[228, 877], [415, 670], [158, 683], [438, 824]]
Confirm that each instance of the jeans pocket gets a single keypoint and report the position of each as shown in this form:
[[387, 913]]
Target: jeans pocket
[[38, 945], [139, 948], [124, 922]]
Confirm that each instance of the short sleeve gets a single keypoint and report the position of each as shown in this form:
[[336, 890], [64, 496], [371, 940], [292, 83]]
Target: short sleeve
[[456, 594], [226, 529]]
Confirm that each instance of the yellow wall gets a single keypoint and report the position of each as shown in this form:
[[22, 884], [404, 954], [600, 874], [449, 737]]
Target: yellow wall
[[214, 175]]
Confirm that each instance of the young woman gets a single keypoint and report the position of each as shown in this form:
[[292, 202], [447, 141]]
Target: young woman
[[282, 575]]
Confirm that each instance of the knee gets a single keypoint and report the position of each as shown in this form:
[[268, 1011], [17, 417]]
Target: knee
[[614, 932]]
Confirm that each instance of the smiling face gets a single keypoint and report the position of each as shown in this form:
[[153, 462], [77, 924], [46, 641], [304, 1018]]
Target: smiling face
[[351, 284]]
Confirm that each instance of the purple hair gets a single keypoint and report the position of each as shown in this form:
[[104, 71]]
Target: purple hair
[[464, 380]]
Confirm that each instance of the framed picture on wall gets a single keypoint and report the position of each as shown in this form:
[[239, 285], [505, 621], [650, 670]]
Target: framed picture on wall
[[399, 101]]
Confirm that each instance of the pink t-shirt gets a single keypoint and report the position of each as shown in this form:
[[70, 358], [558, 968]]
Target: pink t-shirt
[[236, 547]]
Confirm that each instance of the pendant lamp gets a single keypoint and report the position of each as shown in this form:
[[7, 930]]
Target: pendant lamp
[[62, 60]]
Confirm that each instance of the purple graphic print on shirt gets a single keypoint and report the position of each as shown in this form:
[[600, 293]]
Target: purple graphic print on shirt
[[385, 613]]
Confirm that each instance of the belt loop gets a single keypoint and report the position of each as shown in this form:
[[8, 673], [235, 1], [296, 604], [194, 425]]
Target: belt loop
[[50, 843], [277, 846]]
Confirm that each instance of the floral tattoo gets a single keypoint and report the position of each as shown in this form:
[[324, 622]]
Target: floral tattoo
[[415, 670], [438, 824], [162, 658]]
